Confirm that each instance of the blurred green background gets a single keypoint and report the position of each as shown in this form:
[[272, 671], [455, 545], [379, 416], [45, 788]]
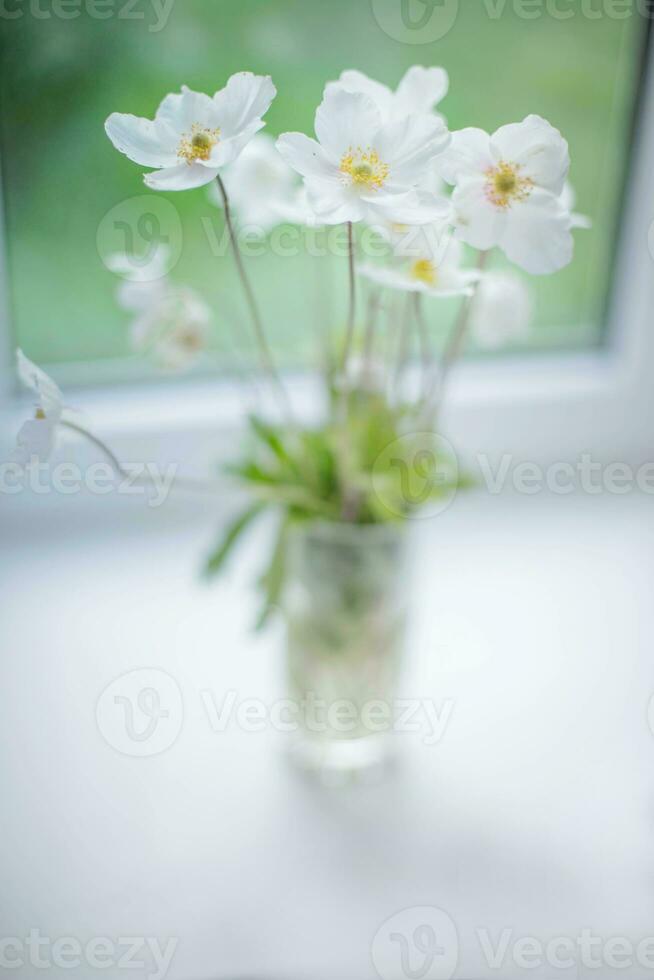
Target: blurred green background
[[62, 77]]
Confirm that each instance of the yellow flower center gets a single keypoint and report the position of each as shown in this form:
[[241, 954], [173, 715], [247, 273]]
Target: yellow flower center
[[504, 185], [424, 271], [198, 144], [189, 339], [364, 169], [39, 414]]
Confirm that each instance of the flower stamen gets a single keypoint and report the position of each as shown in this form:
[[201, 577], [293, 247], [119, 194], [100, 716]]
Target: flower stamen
[[504, 185], [199, 144], [423, 270], [364, 169]]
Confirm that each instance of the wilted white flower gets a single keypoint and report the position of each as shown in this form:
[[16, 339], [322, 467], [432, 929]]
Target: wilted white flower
[[501, 310], [38, 436], [260, 185], [193, 136], [362, 169], [508, 192], [430, 263], [419, 92]]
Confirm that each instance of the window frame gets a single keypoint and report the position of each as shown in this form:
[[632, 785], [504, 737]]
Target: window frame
[[540, 408]]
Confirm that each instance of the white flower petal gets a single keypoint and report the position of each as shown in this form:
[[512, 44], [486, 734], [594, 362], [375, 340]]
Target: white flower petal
[[568, 200], [420, 90], [141, 269], [332, 203], [345, 120], [538, 147], [35, 440], [537, 237], [401, 278], [355, 81], [136, 296], [297, 210], [390, 276], [399, 208], [183, 177], [243, 101], [227, 150], [180, 110], [501, 311], [50, 397], [580, 221], [468, 155], [478, 222], [259, 183], [410, 145], [140, 140], [304, 155]]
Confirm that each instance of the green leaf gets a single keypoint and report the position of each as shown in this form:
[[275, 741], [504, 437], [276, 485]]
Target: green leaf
[[232, 534], [272, 582]]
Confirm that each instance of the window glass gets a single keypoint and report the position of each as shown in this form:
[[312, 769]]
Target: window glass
[[67, 66]]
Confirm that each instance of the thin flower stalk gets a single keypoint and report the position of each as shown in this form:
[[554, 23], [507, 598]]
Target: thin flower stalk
[[267, 361]]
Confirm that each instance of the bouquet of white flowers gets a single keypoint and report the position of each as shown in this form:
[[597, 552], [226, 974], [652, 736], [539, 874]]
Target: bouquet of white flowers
[[384, 159]]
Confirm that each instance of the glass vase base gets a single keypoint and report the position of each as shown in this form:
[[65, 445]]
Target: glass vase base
[[343, 760]]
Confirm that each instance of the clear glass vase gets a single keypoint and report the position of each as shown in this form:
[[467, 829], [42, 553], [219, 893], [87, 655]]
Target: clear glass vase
[[345, 610]]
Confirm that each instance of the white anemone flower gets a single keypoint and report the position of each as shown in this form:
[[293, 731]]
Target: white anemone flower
[[430, 264], [171, 322], [360, 168], [508, 192], [193, 136], [37, 438], [184, 332], [568, 200], [419, 92], [260, 185], [502, 310]]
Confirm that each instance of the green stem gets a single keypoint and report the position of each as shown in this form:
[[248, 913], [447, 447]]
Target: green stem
[[349, 336], [267, 361], [403, 349], [185, 484], [425, 346], [457, 337]]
